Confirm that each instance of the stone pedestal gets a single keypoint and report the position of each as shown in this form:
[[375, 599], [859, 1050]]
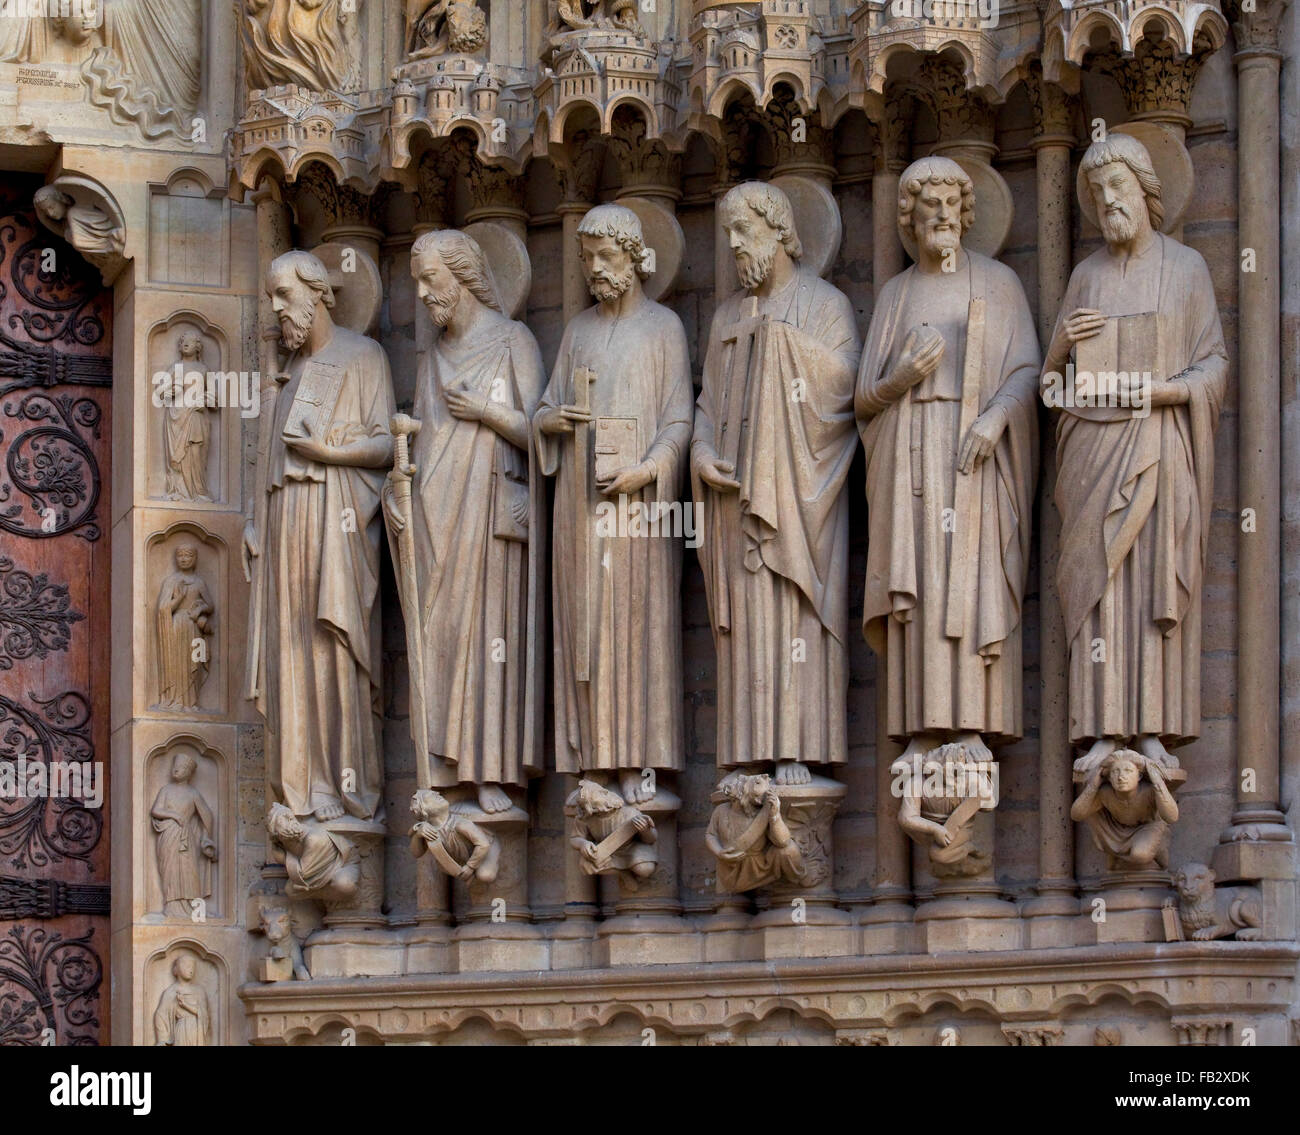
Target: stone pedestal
[[1133, 900]]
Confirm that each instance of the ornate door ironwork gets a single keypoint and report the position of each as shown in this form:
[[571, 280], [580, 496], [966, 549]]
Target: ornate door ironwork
[[55, 374]]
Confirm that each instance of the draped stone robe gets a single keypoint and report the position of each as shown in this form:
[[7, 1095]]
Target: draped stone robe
[[317, 678], [479, 592], [969, 682], [629, 715], [775, 554], [1135, 495], [182, 822], [183, 602]]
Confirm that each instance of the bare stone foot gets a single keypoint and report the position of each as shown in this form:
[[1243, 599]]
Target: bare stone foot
[[1151, 747], [1101, 749], [635, 786], [493, 798], [330, 811], [975, 748], [792, 772]]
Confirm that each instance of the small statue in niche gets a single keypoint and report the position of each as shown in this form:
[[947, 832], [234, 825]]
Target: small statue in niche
[[183, 823], [611, 835], [940, 795], [749, 836], [321, 864], [284, 960], [184, 628], [187, 428], [446, 26], [457, 844], [575, 15], [183, 1018], [1207, 912], [1129, 819]]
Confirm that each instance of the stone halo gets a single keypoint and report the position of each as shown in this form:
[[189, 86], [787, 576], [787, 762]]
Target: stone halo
[[661, 232], [512, 271], [1173, 166], [357, 294]]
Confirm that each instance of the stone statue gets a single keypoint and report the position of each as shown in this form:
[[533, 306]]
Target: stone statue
[[1135, 465], [183, 1018], [457, 844], [284, 959], [186, 849], [314, 660], [185, 625], [478, 511], [939, 794], [578, 15], [1207, 912], [749, 837], [610, 835], [613, 427], [307, 43], [50, 36], [187, 427], [86, 227], [437, 27], [150, 70], [321, 864], [773, 443], [946, 403], [1129, 819]]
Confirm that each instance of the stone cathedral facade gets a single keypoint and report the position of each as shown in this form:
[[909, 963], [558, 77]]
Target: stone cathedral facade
[[649, 521]]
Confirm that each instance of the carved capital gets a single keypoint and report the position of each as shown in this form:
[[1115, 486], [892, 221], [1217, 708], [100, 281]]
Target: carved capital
[[433, 180], [962, 115], [642, 161], [1156, 78], [343, 204], [799, 139], [1255, 30], [579, 166], [1054, 109], [1203, 1032], [491, 187]]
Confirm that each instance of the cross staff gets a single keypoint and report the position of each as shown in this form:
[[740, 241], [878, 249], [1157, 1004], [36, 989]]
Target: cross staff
[[583, 377]]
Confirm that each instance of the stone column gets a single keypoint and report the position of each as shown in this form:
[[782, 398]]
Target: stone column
[[579, 166], [1054, 139], [1258, 844]]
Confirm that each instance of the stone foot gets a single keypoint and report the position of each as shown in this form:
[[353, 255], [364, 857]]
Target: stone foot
[[1151, 747], [792, 772], [331, 811], [1101, 749], [492, 798], [636, 786]]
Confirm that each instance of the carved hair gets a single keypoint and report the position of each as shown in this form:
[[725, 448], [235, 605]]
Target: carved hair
[[1136, 759], [309, 270], [1127, 149], [189, 335], [277, 817], [938, 171], [594, 799], [770, 203], [48, 193], [464, 259], [623, 226], [189, 758]]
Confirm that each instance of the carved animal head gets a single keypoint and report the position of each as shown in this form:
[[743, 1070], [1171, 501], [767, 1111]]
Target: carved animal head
[[1194, 882], [594, 799], [277, 924]]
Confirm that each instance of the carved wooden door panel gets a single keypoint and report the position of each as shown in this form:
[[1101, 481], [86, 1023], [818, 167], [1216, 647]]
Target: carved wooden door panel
[[55, 377]]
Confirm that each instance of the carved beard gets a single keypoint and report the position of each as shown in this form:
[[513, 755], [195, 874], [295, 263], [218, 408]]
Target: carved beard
[[442, 304], [936, 240], [607, 288], [753, 267], [295, 326], [1118, 227]]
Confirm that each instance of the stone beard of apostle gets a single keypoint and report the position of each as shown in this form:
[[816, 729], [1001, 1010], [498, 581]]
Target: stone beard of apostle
[[478, 525], [951, 465], [1135, 490], [182, 822], [627, 716], [186, 429], [184, 626], [183, 1018], [315, 622], [773, 442]]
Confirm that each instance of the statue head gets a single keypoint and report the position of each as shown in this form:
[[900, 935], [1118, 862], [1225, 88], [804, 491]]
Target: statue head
[[613, 251], [1125, 189], [190, 344], [299, 286], [184, 967], [430, 806], [52, 202], [187, 557], [748, 791], [594, 799], [183, 766], [936, 204], [281, 823], [445, 264], [1123, 768], [758, 220], [1195, 881]]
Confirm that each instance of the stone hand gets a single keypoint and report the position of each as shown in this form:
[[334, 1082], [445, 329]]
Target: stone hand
[[464, 405], [630, 480], [922, 352], [717, 474], [982, 439], [641, 823], [389, 497], [1083, 323], [250, 550], [310, 447]]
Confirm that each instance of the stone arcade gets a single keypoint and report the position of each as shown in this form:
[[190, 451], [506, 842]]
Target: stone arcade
[[766, 522]]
